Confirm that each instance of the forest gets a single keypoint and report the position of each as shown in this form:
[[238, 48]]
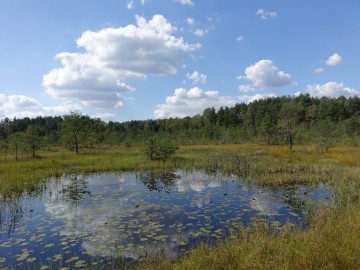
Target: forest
[[290, 120]]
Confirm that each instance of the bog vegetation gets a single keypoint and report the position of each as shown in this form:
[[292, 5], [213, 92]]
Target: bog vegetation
[[278, 141]]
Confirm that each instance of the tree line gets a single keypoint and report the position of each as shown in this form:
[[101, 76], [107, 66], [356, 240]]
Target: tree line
[[280, 120]]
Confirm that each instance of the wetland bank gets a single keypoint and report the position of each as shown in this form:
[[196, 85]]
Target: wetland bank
[[214, 207]]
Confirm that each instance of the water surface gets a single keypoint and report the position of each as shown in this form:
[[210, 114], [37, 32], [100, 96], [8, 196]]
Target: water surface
[[78, 220]]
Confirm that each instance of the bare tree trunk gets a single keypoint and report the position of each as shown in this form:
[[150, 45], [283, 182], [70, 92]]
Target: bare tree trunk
[[33, 149], [290, 138]]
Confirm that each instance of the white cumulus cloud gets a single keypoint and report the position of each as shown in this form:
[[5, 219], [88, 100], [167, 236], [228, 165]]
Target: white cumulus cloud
[[23, 106], [331, 89], [97, 77], [334, 60], [197, 77], [248, 99], [266, 14], [265, 74], [190, 102]]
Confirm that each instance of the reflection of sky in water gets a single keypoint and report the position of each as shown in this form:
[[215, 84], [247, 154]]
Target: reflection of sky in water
[[131, 215]]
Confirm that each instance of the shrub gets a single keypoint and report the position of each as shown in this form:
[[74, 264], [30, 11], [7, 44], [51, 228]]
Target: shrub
[[160, 148]]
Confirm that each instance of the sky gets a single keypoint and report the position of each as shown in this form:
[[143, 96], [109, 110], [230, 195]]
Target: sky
[[123, 60]]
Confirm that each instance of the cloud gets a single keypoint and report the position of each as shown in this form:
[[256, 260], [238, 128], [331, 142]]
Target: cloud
[[246, 88], [97, 77], [265, 74], [105, 116], [331, 89], [130, 4], [196, 77], [201, 32], [20, 106], [190, 21], [248, 99], [319, 70], [334, 60], [186, 2], [188, 103], [265, 14], [239, 39]]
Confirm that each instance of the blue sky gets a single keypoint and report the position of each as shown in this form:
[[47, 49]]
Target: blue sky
[[140, 59]]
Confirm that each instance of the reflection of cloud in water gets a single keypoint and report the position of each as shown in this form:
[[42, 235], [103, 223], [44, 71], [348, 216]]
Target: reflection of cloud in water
[[197, 181], [119, 214], [97, 219], [81, 216], [104, 247], [198, 187], [201, 201], [266, 203], [263, 200]]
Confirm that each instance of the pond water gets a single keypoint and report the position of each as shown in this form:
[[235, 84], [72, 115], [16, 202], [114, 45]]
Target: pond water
[[101, 219]]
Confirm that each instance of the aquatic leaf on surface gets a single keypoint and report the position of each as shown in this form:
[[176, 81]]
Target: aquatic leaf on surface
[[108, 224], [72, 259], [30, 260]]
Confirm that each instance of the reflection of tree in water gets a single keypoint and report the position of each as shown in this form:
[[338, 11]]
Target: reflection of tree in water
[[76, 188], [11, 213], [159, 181]]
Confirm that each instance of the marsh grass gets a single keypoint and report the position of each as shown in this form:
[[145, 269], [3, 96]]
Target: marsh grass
[[330, 243], [331, 240], [268, 164]]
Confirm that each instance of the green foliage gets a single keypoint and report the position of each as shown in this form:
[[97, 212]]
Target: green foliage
[[324, 145], [73, 130], [81, 131], [31, 139], [352, 125], [282, 120], [160, 148], [268, 129]]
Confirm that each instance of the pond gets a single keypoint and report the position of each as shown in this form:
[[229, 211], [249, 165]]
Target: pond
[[104, 219]]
